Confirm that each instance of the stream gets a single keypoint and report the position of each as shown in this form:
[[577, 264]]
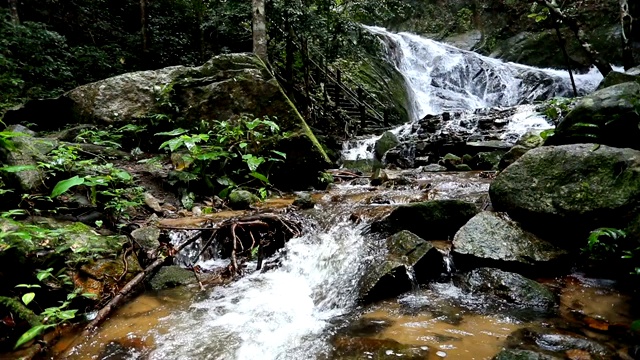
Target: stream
[[307, 308]]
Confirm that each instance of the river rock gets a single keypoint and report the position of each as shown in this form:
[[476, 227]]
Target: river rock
[[357, 348], [512, 156], [487, 160], [515, 354], [147, 238], [509, 287], [430, 220], [171, 276], [387, 141], [616, 77], [563, 192], [402, 156], [391, 277], [242, 199], [494, 236], [557, 343], [607, 117], [433, 168], [304, 201], [225, 87]]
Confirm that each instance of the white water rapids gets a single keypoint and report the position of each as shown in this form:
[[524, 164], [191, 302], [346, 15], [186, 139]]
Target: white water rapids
[[442, 78], [287, 313]]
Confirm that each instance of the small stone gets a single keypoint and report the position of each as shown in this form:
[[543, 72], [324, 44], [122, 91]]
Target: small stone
[[242, 199], [441, 354], [304, 201], [147, 237], [152, 202]]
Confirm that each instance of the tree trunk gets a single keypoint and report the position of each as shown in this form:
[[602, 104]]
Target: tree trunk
[[259, 29], [626, 21], [13, 10], [567, 59], [578, 29], [144, 31]]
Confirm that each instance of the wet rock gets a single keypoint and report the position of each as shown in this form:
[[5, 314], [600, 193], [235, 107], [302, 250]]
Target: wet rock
[[463, 167], [607, 117], [557, 343], [474, 147], [490, 235], [514, 354], [361, 348], [431, 220], [402, 156], [147, 238], [450, 161], [531, 139], [242, 199], [304, 201], [387, 141], [433, 168], [392, 276], [615, 78], [486, 160], [509, 287], [171, 276], [511, 156], [97, 275], [563, 192]]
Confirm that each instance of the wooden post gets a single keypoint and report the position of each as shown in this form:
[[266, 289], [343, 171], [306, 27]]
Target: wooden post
[[361, 108]]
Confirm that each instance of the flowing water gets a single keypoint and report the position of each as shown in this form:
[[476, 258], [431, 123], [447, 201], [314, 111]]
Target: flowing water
[[307, 308]]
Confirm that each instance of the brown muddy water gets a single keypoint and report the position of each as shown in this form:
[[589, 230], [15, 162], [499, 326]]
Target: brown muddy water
[[308, 307]]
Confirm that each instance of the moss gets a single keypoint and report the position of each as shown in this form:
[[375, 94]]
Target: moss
[[171, 276], [21, 311]]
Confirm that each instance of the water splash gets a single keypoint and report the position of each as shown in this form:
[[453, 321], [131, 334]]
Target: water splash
[[280, 314]]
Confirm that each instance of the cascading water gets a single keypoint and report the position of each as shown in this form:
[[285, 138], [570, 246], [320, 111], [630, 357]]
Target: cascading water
[[442, 78], [280, 314]]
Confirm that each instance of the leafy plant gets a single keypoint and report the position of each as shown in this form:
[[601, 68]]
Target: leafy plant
[[602, 242], [235, 152]]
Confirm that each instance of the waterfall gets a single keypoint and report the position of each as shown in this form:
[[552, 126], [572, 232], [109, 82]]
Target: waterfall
[[444, 78], [280, 314]]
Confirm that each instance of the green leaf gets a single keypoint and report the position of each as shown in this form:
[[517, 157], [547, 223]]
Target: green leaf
[[260, 177], [173, 144], [67, 314], [174, 132], [28, 297], [64, 185], [17, 168], [283, 155], [635, 326], [253, 161], [28, 286], [30, 335]]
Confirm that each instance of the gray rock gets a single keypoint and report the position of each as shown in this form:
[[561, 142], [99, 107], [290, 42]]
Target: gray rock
[[171, 276], [563, 192], [531, 139], [304, 201], [615, 78], [242, 199], [494, 236], [391, 277], [152, 202], [147, 237], [551, 341], [487, 160], [387, 142], [512, 156], [607, 117], [515, 354], [433, 168], [431, 220], [509, 287]]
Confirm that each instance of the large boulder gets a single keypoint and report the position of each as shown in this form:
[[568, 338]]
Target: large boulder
[[511, 288], [608, 116], [493, 236], [387, 141], [616, 77], [431, 220], [563, 192], [226, 87]]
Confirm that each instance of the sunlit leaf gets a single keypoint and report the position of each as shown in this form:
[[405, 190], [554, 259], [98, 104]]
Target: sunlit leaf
[[30, 335], [174, 132], [28, 298], [259, 176], [64, 185], [17, 168]]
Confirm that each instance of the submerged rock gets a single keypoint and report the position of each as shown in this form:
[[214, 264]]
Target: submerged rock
[[494, 236], [361, 348], [431, 220], [551, 341], [514, 354], [563, 192], [509, 287], [607, 117]]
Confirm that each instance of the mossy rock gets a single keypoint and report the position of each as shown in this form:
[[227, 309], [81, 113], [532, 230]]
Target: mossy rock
[[171, 276], [615, 78], [387, 141], [242, 199]]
